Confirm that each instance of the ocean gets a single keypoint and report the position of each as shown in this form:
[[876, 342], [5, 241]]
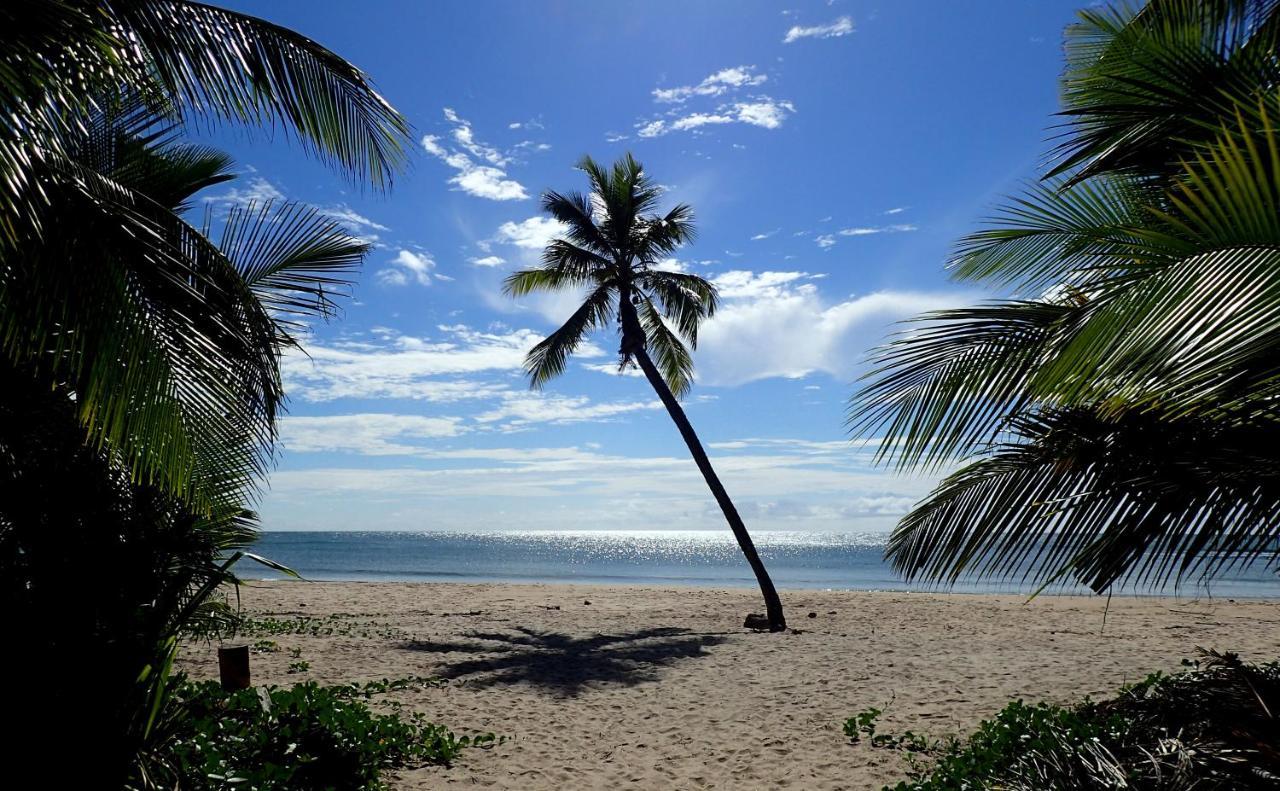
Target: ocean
[[839, 561]]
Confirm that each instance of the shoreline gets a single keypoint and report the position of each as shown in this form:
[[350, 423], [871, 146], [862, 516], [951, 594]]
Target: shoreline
[[661, 687], [782, 589]]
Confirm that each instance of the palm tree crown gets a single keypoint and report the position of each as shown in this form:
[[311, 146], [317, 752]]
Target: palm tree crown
[[616, 251]]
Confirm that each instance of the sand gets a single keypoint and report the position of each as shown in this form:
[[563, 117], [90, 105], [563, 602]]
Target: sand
[[661, 688]]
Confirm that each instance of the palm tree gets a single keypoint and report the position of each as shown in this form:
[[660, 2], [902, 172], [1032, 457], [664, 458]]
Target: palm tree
[[1123, 414], [613, 249], [149, 389], [96, 559]]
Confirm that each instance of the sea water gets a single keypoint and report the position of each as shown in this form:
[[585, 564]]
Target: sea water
[[842, 561]]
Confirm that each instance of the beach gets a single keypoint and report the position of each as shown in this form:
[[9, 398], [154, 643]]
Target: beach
[[601, 687]]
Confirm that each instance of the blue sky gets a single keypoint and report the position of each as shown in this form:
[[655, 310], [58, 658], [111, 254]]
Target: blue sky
[[832, 152]]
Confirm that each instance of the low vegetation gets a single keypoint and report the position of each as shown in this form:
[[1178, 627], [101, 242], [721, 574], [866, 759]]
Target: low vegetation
[[302, 737], [1212, 727]]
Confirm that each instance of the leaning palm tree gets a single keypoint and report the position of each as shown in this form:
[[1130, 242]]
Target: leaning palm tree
[[613, 248], [1118, 422]]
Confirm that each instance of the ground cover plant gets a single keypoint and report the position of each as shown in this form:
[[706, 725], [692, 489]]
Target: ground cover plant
[[299, 737], [1211, 727]]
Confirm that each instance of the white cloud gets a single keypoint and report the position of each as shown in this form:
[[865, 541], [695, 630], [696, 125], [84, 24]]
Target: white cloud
[[765, 235], [741, 284], [762, 111], [896, 210], [481, 180], [408, 266], [368, 434], [777, 324], [465, 137], [721, 82], [518, 411], [825, 241], [488, 260], [840, 27], [531, 234], [777, 485], [399, 366]]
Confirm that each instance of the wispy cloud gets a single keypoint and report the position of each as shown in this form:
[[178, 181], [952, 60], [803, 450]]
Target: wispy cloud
[[716, 84], [368, 434], [828, 240], [488, 260], [761, 111], [468, 156], [840, 27], [874, 229], [258, 190], [433, 369], [522, 410]]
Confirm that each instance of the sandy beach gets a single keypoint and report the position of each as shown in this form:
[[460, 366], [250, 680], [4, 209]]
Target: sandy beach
[[602, 687]]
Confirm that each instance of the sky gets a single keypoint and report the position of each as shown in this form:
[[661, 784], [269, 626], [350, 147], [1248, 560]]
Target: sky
[[833, 152]]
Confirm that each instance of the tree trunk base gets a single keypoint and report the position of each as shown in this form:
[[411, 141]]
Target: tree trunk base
[[762, 623]]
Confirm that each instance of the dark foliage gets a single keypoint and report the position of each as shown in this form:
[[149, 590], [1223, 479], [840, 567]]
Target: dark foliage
[[98, 575]]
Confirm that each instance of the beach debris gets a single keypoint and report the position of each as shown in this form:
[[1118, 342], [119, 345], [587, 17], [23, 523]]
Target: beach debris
[[550, 606], [756, 621], [587, 601], [813, 615]]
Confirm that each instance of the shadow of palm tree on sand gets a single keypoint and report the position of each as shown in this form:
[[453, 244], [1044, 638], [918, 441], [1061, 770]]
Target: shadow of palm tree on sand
[[563, 664]]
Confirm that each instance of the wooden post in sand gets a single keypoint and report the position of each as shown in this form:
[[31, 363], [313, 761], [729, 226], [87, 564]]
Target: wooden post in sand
[[233, 667]]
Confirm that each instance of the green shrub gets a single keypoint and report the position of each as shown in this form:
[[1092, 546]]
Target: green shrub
[[1211, 728], [301, 738]]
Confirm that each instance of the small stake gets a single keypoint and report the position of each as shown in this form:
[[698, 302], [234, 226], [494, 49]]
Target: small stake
[[233, 667]]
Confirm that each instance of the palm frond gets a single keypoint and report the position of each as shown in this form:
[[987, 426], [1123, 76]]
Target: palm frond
[[668, 351], [1142, 88], [662, 236], [293, 257], [686, 300], [574, 210], [571, 260], [945, 390], [239, 67], [527, 281], [171, 353], [1058, 233], [548, 358], [1139, 498]]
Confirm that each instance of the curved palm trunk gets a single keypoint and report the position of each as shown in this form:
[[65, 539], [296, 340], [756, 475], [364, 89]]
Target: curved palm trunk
[[773, 605]]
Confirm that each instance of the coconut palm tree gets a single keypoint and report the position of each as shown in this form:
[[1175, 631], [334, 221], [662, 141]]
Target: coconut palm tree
[[614, 249], [96, 559], [1122, 409], [155, 394]]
